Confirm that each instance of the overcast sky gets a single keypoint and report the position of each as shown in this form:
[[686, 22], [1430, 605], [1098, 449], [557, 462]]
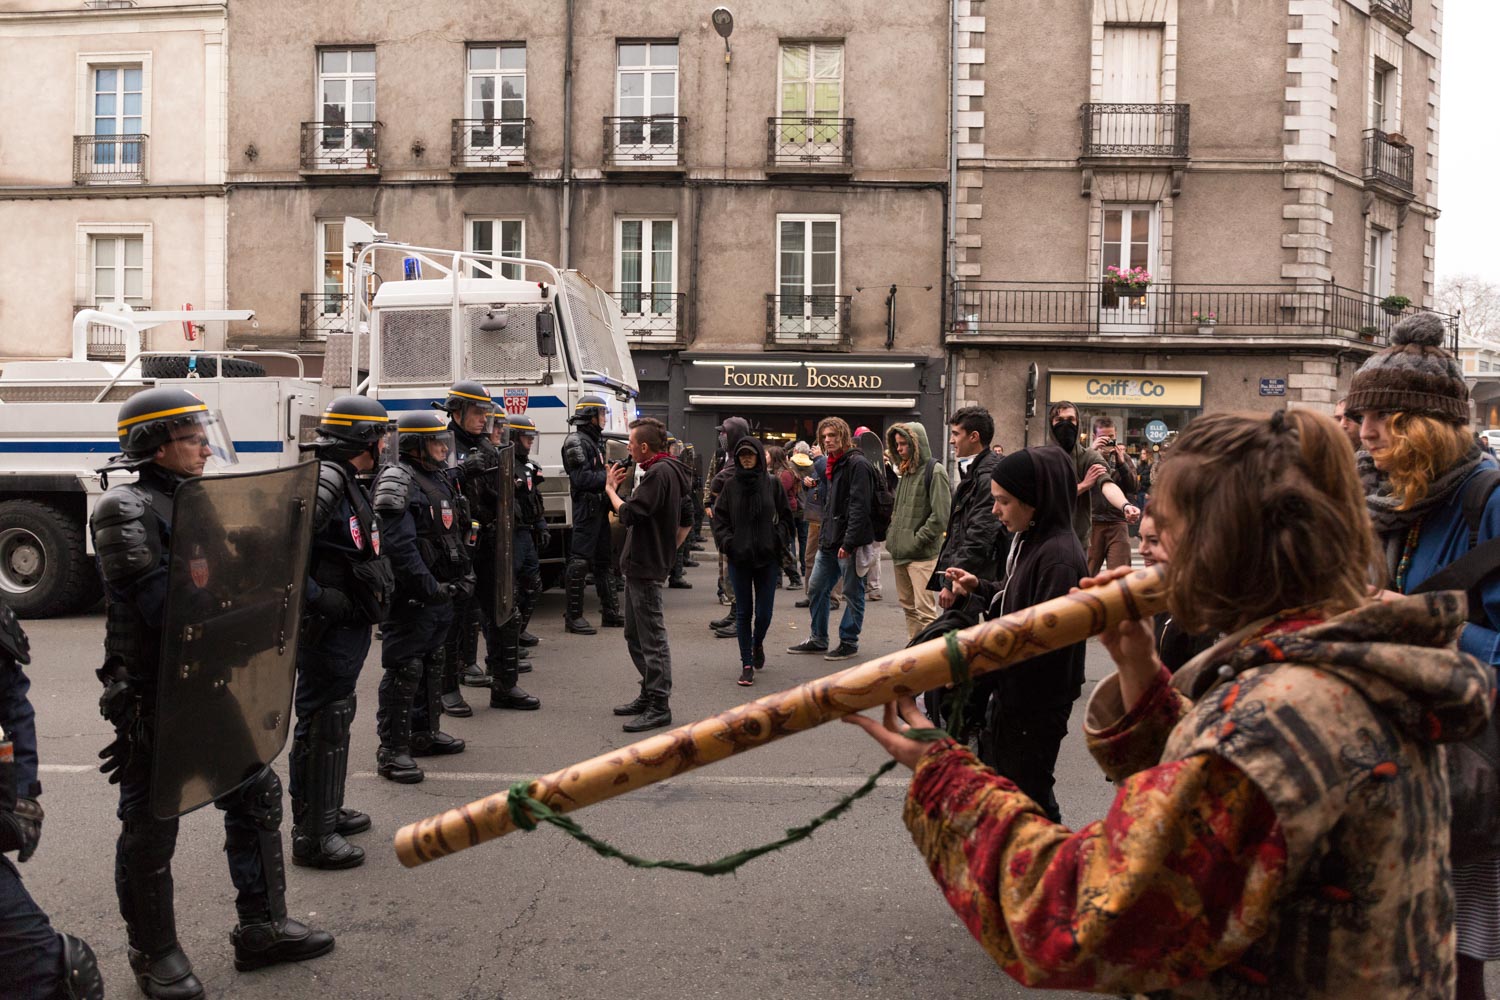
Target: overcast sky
[[1469, 141]]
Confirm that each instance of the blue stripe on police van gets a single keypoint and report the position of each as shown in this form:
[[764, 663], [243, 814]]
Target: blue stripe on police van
[[534, 402], [110, 446]]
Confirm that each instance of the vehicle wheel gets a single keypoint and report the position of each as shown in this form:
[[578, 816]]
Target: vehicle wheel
[[176, 366], [45, 568]]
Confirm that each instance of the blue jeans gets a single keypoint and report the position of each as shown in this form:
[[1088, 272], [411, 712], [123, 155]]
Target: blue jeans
[[754, 594], [826, 572]]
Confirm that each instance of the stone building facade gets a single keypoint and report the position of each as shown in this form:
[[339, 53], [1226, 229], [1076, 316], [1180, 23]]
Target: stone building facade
[[1272, 167]]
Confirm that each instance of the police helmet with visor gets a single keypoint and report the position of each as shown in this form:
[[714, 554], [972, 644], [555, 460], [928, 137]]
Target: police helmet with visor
[[589, 406], [425, 438], [351, 426], [168, 416]]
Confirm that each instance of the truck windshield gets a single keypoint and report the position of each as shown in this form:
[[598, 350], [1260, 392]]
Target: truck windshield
[[597, 350]]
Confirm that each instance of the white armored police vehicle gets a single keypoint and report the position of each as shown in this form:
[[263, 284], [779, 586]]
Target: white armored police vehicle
[[536, 337]]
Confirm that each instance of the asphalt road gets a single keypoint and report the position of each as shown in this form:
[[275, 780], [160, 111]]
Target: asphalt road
[[851, 913]]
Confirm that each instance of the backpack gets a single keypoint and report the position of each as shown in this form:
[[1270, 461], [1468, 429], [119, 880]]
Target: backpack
[[1473, 765], [882, 505]]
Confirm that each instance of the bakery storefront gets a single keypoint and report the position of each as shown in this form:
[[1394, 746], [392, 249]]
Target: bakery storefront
[[784, 395], [1149, 407]]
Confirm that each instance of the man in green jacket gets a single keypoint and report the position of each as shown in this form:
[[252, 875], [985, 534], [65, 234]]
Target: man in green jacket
[[915, 538]]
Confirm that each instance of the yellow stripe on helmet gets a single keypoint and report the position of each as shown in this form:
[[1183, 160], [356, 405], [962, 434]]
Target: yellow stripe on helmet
[[347, 417], [429, 429], [470, 395], [196, 408]]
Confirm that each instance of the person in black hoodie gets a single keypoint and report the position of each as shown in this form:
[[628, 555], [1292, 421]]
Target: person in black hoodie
[[749, 516], [731, 431], [1029, 705], [656, 522]]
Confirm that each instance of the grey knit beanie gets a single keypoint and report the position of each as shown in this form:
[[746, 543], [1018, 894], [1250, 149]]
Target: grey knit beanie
[[1414, 375]]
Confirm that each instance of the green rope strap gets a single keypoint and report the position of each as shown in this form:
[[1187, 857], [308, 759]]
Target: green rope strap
[[526, 811]]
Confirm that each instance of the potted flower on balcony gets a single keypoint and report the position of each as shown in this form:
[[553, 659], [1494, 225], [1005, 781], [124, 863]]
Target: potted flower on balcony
[[1206, 321], [1395, 305], [1128, 281], [1367, 334]]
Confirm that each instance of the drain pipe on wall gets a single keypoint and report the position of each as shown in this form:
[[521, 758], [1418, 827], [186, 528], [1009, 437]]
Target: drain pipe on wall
[[950, 250], [565, 229]]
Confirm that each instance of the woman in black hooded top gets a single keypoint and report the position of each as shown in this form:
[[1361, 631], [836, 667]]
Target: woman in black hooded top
[[749, 516], [1029, 705]]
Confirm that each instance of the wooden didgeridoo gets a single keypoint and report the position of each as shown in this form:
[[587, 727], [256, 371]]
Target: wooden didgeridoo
[[987, 646]]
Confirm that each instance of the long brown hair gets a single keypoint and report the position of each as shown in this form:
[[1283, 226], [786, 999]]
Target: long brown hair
[[1422, 449], [1264, 515], [841, 428]]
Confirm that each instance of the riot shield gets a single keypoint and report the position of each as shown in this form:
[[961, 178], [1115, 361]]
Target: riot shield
[[505, 524], [235, 579], [872, 447]]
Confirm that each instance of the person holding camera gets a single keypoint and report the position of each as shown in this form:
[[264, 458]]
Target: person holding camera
[[1110, 507], [656, 522]]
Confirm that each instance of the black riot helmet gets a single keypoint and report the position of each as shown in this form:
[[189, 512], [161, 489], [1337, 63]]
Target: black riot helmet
[[351, 425], [163, 415], [522, 431], [466, 393], [420, 433], [589, 406]]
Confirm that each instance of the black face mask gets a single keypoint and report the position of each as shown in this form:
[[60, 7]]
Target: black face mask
[[723, 442], [1065, 433]]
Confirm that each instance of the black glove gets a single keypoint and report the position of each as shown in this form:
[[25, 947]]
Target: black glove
[[463, 588], [21, 828], [120, 705], [333, 605], [476, 465], [542, 535]]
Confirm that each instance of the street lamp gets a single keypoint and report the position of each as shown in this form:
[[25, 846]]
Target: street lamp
[[724, 24]]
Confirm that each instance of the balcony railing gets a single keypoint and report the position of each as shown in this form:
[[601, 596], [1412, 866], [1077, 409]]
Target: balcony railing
[[341, 145], [1159, 130], [481, 143], [808, 322], [644, 140], [810, 142], [1062, 308], [1387, 162], [105, 342], [324, 313], [109, 159], [653, 318], [1399, 10]]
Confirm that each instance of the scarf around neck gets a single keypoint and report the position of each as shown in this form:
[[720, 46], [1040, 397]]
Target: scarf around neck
[[653, 460], [1392, 524]]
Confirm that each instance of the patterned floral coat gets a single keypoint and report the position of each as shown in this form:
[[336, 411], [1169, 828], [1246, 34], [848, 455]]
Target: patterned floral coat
[[1280, 832]]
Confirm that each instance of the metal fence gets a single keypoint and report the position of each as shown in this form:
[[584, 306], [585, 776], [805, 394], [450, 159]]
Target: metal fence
[[323, 314], [1400, 9], [1386, 161], [481, 142], [109, 159], [825, 142], [808, 321], [653, 316], [341, 145], [1135, 130], [643, 140]]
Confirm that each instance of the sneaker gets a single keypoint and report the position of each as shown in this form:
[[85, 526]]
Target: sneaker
[[874, 596], [808, 646], [842, 652], [678, 583], [758, 656], [804, 603], [747, 677]]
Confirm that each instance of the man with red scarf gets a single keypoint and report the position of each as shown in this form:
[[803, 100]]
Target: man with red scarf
[[656, 522]]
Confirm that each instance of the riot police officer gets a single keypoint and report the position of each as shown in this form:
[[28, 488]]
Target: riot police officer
[[531, 530], [471, 417], [38, 961], [503, 640], [583, 460], [424, 521], [349, 589], [167, 436]]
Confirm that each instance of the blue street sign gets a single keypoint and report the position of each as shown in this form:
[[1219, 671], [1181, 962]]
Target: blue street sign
[[1273, 387]]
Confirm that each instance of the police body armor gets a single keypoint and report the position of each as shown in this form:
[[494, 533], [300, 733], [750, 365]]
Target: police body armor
[[351, 560], [583, 450], [442, 517], [489, 486]]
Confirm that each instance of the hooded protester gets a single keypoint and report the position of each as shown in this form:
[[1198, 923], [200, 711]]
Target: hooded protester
[[1281, 823], [749, 518], [1062, 419], [915, 536], [1029, 705], [731, 431], [1423, 474]]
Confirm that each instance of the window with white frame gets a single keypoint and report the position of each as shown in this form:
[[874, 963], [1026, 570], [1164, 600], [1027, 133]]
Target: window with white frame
[[646, 265], [500, 237], [497, 101], [1378, 260], [807, 275], [346, 107], [1382, 96], [117, 108], [117, 269], [811, 88], [645, 129]]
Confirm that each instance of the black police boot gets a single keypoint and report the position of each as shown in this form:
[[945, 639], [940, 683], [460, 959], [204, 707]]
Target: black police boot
[[655, 716], [167, 976], [393, 760], [430, 740], [351, 821], [316, 841], [506, 664], [573, 583], [635, 706], [473, 676], [525, 605], [609, 605], [143, 880], [453, 658], [261, 943]]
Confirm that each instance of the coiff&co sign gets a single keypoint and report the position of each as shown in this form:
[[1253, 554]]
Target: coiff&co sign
[[1127, 389]]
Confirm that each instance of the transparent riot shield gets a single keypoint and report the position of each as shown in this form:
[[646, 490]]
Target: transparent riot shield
[[505, 526], [237, 567]]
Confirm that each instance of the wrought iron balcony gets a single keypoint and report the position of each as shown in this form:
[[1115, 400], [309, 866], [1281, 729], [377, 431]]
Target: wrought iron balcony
[[1396, 12], [490, 144], [1135, 130], [1063, 309], [644, 140], [808, 322], [324, 313], [810, 142], [653, 318], [333, 146], [1388, 160], [109, 159]]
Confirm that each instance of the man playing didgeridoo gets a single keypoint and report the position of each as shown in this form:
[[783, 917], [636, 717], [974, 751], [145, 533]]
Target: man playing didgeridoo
[[1281, 825]]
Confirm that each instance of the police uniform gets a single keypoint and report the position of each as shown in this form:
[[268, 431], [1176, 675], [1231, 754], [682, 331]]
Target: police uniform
[[37, 960], [503, 639], [132, 528], [589, 548], [350, 584], [424, 524]]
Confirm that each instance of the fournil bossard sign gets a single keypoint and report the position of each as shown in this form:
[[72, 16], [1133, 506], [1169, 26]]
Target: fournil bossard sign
[[801, 377]]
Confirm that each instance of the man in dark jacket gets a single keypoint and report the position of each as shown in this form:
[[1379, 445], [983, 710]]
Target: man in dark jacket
[[731, 431], [973, 530], [847, 528], [656, 522]]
